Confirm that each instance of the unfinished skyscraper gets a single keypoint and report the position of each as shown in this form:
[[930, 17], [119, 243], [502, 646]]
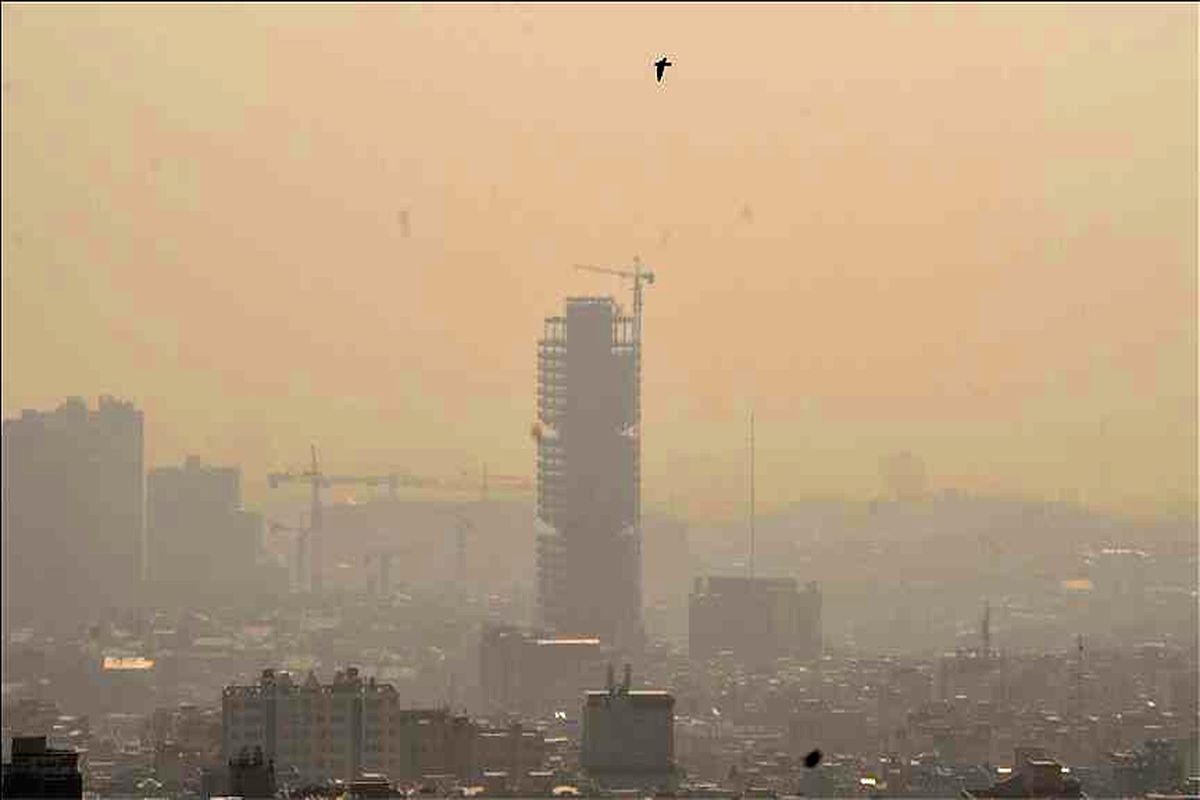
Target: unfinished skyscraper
[[589, 546]]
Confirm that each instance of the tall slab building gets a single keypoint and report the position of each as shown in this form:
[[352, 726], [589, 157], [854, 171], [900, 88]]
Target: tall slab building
[[202, 546], [589, 546], [73, 512]]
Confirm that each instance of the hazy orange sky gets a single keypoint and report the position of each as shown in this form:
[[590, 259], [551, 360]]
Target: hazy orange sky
[[965, 231]]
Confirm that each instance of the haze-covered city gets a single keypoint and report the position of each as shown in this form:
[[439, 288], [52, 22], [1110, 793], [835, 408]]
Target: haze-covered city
[[334, 465]]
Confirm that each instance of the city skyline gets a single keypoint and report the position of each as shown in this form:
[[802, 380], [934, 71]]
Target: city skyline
[[964, 232], [447, 400]]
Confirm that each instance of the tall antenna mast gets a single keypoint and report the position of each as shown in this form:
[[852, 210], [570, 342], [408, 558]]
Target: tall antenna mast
[[315, 525], [986, 629], [751, 565]]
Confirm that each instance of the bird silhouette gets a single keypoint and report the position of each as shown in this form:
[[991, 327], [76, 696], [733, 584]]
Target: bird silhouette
[[660, 66]]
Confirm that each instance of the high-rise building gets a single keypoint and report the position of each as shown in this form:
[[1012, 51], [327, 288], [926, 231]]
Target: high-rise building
[[200, 542], [756, 619], [73, 512], [589, 548]]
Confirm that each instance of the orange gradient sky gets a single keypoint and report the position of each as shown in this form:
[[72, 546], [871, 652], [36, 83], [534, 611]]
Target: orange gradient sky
[[966, 231]]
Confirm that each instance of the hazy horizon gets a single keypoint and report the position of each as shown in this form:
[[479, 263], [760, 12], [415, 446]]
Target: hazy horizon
[[968, 232]]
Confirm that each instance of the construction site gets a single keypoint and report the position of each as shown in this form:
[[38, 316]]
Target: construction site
[[408, 532]]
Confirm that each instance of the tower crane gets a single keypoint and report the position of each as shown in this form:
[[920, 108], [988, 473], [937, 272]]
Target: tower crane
[[638, 276], [318, 480]]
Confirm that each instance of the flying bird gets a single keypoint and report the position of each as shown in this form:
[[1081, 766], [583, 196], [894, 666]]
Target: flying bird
[[660, 66]]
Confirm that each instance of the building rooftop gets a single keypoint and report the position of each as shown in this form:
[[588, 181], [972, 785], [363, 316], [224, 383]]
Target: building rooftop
[[644, 697], [124, 663]]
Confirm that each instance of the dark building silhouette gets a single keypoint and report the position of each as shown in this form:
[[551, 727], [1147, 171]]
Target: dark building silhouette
[[73, 521], [629, 735], [38, 771], [757, 619], [200, 542], [589, 549]]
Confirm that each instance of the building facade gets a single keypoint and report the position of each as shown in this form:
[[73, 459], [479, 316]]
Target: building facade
[[73, 512], [756, 619], [514, 750], [589, 547]]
